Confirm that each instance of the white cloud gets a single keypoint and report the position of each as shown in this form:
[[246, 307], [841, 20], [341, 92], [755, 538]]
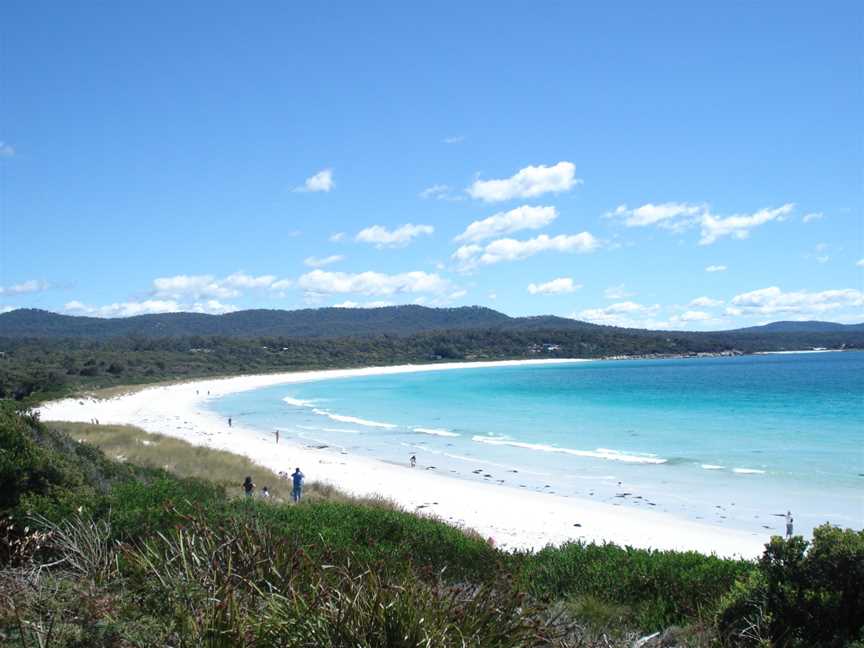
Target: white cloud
[[381, 237], [706, 302], [454, 139], [527, 183], [860, 264], [243, 280], [772, 300], [716, 268], [436, 192], [693, 316], [680, 216], [739, 226], [321, 181], [148, 307], [337, 237], [670, 215], [29, 286], [812, 216], [520, 218], [6, 150], [315, 262], [195, 287], [459, 294], [515, 250], [627, 314], [618, 292], [372, 304], [7, 309], [321, 282], [554, 287]]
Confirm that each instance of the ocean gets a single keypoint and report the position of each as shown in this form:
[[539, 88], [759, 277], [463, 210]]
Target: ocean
[[731, 441]]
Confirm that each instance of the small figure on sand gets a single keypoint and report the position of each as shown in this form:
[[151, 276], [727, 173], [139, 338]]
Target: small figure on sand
[[248, 486], [277, 436], [298, 478], [789, 522], [229, 421], [265, 492], [413, 460]]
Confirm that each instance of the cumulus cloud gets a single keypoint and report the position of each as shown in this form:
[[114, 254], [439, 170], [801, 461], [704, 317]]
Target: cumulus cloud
[[739, 226], [554, 287], [320, 282], [371, 304], [315, 262], [454, 139], [693, 316], [337, 237], [520, 218], [860, 264], [772, 301], [148, 307], [6, 150], [321, 181], [195, 287], [29, 286], [527, 183], [716, 268], [618, 292], [812, 216], [706, 302], [626, 314], [381, 237], [508, 249], [681, 216]]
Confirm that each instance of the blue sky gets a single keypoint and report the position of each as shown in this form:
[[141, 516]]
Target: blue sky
[[675, 165]]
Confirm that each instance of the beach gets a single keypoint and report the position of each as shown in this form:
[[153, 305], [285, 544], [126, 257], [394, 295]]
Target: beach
[[512, 518]]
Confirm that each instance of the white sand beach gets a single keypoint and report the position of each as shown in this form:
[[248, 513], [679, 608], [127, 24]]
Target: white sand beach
[[515, 519]]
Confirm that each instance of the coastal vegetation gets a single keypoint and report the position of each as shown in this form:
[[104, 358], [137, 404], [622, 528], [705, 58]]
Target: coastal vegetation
[[33, 368], [101, 550]]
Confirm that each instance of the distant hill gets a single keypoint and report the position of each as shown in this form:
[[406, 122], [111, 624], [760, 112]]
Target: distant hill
[[320, 322], [341, 322], [810, 326]]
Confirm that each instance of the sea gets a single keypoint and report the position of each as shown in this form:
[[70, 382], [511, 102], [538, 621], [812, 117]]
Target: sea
[[733, 441]]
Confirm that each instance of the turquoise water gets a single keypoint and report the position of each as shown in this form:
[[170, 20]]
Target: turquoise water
[[733, 441]]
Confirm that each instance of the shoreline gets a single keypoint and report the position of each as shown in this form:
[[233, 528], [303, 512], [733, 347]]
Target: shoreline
[[514, 518]]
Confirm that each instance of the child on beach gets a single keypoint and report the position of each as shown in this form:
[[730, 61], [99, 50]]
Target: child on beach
[[297, 477], [413, 461], [248, 486]]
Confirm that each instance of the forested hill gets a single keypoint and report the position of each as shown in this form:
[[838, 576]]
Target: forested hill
[[330, 323], [319, 322]]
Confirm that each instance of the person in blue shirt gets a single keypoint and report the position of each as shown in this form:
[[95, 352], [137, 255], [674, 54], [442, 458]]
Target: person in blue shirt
[[298, 478]]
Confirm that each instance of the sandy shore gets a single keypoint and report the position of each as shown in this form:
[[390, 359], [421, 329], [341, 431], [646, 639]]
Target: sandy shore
[[514, 518]]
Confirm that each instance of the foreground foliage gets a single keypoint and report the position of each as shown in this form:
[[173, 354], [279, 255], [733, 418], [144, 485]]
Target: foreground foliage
[[101, 553]]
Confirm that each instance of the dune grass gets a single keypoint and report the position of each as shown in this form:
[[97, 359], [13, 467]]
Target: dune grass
[[133, 445]]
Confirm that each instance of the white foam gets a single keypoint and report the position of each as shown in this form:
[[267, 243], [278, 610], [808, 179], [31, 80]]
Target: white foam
[[599, 453], [298, 402], [748, 471], [712, 467], [352, 419], [435, 432]]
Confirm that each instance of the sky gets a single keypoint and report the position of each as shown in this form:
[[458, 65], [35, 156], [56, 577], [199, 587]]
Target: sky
[[664, 165]]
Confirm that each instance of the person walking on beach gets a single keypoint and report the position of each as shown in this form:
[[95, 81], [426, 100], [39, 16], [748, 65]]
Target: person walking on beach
[[277, 437], [789, 523], [298, 478], [248, 486], [413, 461], [229, 421]]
